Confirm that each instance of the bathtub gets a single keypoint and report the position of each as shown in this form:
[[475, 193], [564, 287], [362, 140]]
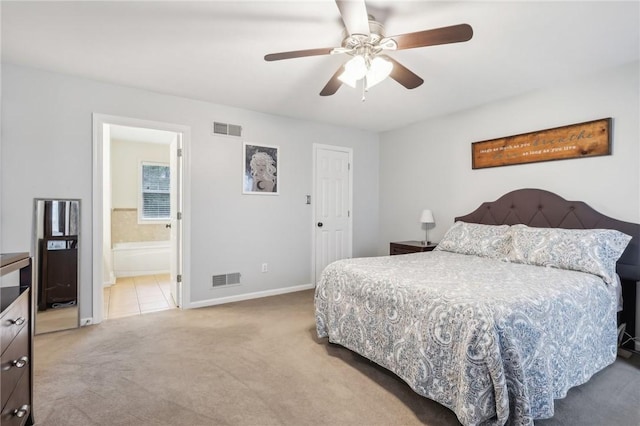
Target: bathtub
[[141, 258]]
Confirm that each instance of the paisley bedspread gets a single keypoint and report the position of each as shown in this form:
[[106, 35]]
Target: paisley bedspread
[[496, 342]]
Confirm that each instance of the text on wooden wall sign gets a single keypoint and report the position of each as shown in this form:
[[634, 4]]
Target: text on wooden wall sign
[[588, 139]]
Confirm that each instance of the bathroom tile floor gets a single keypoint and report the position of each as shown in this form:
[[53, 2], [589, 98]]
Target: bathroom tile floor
[[138, 295]]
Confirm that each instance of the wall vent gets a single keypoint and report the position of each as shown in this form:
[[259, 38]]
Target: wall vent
[[227, 129], [225, 279]]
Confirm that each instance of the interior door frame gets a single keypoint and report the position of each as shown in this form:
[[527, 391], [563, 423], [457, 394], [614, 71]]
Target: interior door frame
[[175, 203], [99, 145], [314, 197]]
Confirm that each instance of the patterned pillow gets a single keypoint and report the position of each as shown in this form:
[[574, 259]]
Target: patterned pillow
[[595, 251], [491, 241]]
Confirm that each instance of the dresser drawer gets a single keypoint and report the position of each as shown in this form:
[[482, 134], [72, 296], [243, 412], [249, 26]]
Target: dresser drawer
[[402, 250], [13, 320], [14, 363], [18, 408]]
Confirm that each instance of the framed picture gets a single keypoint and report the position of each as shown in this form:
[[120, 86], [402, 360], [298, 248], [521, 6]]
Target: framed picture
[[260, 169], [588, 139]]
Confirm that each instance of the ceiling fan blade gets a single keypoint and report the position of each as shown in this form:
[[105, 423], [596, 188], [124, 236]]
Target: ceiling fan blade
[[354, 15], [403, 75], [297, 54], [333, 84], [444, 35]]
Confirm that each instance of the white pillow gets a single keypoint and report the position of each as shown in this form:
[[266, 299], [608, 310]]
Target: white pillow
[[595, 251], [476, 239]]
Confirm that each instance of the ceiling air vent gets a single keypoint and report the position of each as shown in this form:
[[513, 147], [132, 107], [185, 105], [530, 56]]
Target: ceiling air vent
[[227, 129], [225, 279]]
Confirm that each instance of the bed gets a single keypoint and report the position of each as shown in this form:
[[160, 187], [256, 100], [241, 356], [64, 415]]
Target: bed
[[489, 324]]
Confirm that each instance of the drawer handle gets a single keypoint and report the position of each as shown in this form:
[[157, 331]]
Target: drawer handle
[[21, 362], [18, 321], [21, 412]]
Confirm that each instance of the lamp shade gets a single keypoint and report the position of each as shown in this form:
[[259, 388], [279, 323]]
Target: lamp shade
[[379, 70], [427, 217], [354, 70], [362, 65]]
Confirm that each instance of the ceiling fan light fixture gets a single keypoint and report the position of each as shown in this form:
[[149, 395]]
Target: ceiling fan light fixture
[[373, 71], [379, 70], [349, 81], [354, 70], [364, 39]]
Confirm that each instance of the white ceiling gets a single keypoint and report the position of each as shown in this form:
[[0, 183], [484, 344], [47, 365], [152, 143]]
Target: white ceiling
[[213, 51]]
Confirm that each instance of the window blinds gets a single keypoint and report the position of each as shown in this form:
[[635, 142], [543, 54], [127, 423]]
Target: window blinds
[[155, 192]]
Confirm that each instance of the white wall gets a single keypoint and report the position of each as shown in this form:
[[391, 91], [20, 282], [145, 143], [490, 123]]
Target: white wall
[[428, 164], [47, 152], [126, 157]]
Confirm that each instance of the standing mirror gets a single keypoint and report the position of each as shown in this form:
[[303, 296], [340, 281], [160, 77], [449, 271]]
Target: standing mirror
[[56, 227]]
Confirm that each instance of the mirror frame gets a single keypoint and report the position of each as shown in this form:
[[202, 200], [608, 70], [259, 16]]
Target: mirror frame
[[37, 261]]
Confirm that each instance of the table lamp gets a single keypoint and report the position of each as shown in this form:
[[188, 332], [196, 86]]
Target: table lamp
[[427, 219]]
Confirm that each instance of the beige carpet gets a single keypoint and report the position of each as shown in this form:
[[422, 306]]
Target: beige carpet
[[257, 362]]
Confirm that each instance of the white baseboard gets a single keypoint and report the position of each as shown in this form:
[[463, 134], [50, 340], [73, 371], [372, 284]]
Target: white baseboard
[[111, 281], [248, 296]]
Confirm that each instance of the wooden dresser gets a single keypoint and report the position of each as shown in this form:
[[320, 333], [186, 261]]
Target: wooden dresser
[[16, 343]]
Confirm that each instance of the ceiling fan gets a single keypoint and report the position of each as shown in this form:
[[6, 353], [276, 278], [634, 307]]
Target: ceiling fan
[[366, 43]]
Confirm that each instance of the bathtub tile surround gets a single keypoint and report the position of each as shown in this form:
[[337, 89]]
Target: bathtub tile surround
[[125, 228], [137, 295]]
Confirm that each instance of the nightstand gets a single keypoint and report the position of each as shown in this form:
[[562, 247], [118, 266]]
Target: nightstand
[[405, 247]]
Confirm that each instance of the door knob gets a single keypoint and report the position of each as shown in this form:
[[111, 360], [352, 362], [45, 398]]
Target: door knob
[[319, 224]]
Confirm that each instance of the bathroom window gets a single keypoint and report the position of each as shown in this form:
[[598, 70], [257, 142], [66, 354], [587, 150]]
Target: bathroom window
[[154, 192]]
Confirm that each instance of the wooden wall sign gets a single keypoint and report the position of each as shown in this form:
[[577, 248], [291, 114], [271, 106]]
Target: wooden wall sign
[[589, 139]]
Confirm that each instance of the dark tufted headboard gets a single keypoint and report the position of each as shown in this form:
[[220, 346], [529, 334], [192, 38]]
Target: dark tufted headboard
[[544, 209]]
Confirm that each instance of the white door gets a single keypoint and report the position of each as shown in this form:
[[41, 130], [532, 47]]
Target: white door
[[332, 212], [175, 201]]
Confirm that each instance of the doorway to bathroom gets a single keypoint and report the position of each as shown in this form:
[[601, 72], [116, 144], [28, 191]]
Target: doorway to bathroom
[[139, 276], [140, 217]]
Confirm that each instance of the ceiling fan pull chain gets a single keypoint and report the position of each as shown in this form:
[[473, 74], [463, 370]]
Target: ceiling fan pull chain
[[364, 85]]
